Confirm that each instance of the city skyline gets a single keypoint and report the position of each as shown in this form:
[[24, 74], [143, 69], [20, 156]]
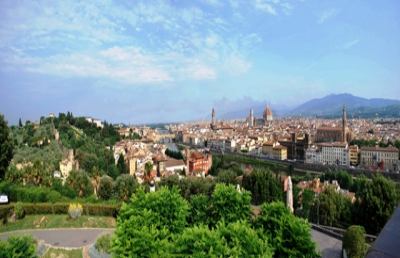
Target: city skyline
[[174, 61]]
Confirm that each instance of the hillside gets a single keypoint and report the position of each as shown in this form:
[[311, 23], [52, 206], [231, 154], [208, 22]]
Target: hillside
[[331, 105]]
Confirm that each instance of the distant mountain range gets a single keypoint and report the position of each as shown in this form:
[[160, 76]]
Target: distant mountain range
[[331, 106]]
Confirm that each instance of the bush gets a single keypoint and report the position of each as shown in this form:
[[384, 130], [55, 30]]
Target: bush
[[103, 243], [5, 211], [75, 210], [19, 210], [18, 247], [229, 205], [125, 186], [263, 185], [105, 191], [354, 242]]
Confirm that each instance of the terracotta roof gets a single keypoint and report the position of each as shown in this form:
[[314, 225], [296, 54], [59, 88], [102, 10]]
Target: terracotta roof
[[174, 163], [376, 148]]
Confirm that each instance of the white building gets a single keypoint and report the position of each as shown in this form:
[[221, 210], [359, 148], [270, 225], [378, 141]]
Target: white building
[[332, 153]]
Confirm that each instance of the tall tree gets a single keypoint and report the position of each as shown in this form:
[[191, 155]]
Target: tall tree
[[375, 203], [20, 123], [121, 165], [6, 146]]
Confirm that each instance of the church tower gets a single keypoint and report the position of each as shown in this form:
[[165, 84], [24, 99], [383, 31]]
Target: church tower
[[213, 118], [344, 124], [251, 118]]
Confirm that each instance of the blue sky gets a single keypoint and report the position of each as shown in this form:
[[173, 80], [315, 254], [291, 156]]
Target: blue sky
[[161, 61]]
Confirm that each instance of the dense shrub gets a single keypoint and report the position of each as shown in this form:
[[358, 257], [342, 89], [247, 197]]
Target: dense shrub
[[229, 205], [125, 186], [200, 209], [17, 193], [80, 182], [290, 236], [5, 211], [105, 191], [19, 210], [103, 243], [18, 247], [263, 186], [354, 242]]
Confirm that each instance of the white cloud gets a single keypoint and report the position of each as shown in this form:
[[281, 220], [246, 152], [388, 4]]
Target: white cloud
[[326, 15], [265, 7], [350, 44]]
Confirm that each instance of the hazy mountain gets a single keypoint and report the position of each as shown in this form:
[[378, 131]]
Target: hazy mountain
[[328, 106], [331, 105]]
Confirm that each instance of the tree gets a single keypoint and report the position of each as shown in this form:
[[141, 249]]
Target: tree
[[227, 176], [354, 242], [332, 208], [6, 147], [125, 186], [289, 235], [80, 182], [146, 223], [200, 209], [105, 191], [18, 247], [375, 203], [229, 205], [148, 167], [263, 185], [121, 165], [20, 123]]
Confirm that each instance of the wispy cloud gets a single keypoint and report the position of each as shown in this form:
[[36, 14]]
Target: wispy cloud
[[327, 14], [350, 44]]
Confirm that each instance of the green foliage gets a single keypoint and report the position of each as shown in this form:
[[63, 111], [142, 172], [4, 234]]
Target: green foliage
[[80, 182], [122, 168], [344, 179], [200, 241], [229, 205], [105, 190], [233, 240], [18, 193], [147, 220], [64, 190], [18, 247], [332, 208], [227, 176], [290, 236], [173, 154], [167, 207], [190, 186], [263, 185], [6, 147], [354, 242], [103, 243], [375, 203], [125, 186], [307, 202], [200, 209], [19, 210]]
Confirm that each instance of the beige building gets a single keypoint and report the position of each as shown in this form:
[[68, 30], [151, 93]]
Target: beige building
[[68, 164], [274, 151], [334, 153], [353, 155], [379, 157]]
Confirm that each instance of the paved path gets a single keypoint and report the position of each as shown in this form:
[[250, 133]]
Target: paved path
[[79, 237], [65, 237], [329, 247]]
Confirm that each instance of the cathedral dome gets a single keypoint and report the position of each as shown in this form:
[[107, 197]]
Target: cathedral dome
[[267, 111]]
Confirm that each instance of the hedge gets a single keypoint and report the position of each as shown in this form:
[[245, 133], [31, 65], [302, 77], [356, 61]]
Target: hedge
[[62, 208]]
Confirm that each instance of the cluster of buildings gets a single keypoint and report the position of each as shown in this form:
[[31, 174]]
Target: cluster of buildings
[[310, 140], [137, 154]]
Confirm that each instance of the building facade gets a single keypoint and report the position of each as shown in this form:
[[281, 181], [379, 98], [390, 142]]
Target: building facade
[[378, 157]]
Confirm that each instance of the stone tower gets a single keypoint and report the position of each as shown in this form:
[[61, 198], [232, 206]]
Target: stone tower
[[213, 118], [344, 124], [251, 118]]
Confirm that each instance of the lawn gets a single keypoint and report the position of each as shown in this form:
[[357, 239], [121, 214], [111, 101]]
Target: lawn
[[58, 221], [62, 253]]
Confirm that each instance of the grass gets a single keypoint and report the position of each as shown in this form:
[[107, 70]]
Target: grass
[[58, 221], [62, 253]]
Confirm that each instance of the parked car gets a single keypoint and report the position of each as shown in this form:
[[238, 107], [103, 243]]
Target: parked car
[[3, 199]]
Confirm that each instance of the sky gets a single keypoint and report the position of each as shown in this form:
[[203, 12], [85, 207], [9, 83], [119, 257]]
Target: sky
[[164, 61]]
